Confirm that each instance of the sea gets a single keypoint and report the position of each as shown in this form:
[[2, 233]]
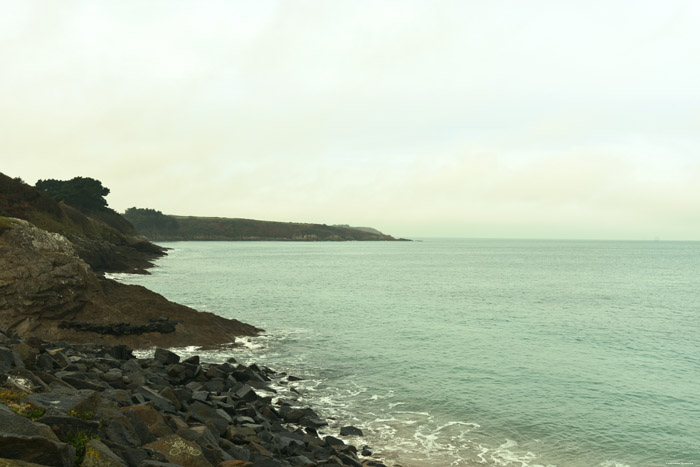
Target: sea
[[470, 352]]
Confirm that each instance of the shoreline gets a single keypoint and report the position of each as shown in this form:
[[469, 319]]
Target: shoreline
[[136, 411]]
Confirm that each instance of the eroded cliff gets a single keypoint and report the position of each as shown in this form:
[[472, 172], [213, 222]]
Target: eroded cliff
[[48, 291]]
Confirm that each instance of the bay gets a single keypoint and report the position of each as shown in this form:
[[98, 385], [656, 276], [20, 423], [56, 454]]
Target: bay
[[472, 352]]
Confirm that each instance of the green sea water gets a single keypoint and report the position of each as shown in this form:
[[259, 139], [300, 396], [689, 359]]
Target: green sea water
[[472, 352]]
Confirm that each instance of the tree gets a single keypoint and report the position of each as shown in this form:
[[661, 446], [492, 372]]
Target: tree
[[83, 193], [150, 222]]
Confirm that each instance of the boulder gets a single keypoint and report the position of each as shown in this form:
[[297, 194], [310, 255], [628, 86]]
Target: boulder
[[13, 424], [178, 450], [99, 455], [64, 400], [36, 449], [166, 357], [350, 431], [150, 417]]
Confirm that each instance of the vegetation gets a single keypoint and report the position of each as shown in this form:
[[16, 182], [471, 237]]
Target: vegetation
[[79, 441], [23, 201], [83, 193], [13, 400], [158, 226], [89, 415], [150, 222]]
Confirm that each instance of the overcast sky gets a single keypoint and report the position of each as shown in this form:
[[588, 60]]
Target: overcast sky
[[545, 119]]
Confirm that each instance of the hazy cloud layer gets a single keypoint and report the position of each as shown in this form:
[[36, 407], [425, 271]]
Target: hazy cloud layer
[[465, 118]]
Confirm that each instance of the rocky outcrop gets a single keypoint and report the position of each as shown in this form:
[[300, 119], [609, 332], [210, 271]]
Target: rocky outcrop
[[101, 406], [48, 291], [101, 237], [41, 277]]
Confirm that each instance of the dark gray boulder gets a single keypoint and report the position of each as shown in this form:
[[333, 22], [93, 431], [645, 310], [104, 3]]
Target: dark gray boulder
[[36, 449], [350, 431]]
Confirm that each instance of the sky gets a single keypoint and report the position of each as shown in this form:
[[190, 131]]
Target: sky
[[505, 119]]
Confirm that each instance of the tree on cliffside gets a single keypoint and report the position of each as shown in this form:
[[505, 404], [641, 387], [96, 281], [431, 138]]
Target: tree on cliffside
[[151, 223], [83, 193]]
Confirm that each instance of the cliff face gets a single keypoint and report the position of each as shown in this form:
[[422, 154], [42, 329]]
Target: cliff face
[[41, 277], [48, 291], [103, 239]]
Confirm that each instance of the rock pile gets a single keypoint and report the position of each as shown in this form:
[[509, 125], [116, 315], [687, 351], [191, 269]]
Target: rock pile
[[94, 405]]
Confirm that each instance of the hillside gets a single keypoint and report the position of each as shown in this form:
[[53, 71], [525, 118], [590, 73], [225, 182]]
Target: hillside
[[49, 253], [162, 227], [102, 238]]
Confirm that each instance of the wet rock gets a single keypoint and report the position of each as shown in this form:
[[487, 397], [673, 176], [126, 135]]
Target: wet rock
[[212, 419], [333, 441], [166, 357], [350, 431]]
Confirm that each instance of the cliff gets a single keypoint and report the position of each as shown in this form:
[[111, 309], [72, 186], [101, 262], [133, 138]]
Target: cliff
[[51, 287], [103, 239], [48, 291]]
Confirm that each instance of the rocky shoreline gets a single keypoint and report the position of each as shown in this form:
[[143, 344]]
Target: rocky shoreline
[[49, 292], [73, 393], [92, 405]]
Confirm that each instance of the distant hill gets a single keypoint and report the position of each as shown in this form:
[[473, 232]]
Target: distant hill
[[364, 229], [163, 227]]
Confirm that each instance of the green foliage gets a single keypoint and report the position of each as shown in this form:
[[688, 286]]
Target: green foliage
[[151, 223], [89, 415], [78, 440], [83, 193], [158, 226], [6, 223], [13, 400]]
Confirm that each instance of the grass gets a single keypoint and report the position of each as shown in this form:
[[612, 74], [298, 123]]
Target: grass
[[89, 415], [13, 400], [78, 440]]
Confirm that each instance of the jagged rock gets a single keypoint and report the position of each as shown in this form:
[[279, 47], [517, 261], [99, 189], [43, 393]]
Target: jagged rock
[[151, 419], [11, 423], [65, 400], [37, 449], [48, 291], [10, 359], [99, 455], [181, 416], [65, 425], [42, 278], [16, 463], [350, 431], [165, 356], [204, 413], [180, 451]]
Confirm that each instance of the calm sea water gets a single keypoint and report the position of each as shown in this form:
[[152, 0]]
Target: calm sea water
[[473, 352]]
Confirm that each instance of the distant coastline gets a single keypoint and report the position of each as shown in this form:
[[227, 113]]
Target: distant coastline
[[157, 226]]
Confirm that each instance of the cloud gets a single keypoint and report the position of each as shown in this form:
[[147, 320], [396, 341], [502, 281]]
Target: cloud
[[453, 118]]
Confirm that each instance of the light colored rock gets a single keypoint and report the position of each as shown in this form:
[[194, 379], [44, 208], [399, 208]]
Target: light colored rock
[[99, 455], [179, 451]]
